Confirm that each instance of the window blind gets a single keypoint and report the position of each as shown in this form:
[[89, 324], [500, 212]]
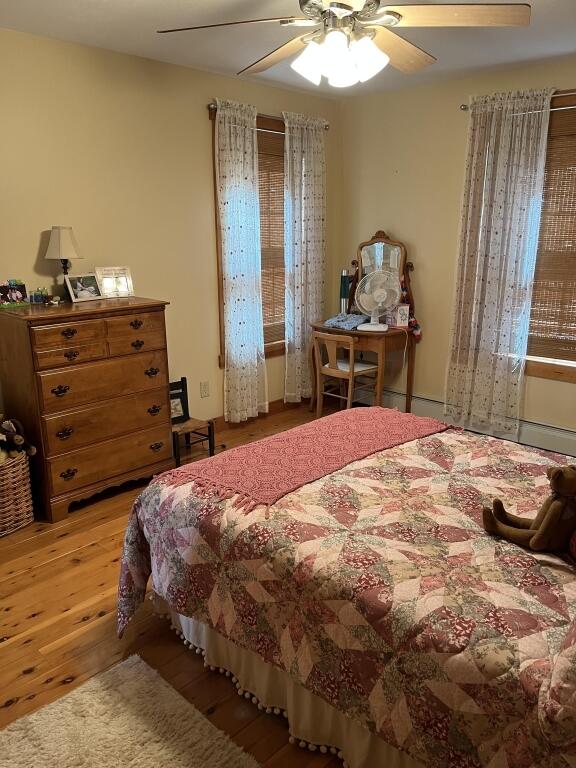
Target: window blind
[[553, 316], [271, 182]]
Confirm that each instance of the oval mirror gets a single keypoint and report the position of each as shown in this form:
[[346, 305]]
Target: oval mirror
[[381, 252]]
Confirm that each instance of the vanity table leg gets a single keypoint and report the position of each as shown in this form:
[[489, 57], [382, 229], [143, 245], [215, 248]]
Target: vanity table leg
[[410, 373], [312, 364], [380, 373]]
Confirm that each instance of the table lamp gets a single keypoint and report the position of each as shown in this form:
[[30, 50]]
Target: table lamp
[[63, 246]]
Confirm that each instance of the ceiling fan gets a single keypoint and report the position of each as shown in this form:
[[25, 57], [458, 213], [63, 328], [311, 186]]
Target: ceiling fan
[[352, 41]]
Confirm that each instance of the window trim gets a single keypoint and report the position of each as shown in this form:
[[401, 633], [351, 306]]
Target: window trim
[[263, 123], [556, 370]]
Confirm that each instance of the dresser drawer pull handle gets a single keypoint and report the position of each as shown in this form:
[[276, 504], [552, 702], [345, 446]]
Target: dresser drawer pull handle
[[136, 324], [68, 474], [60, 390], [68, 333], [65, 433], [151, 372], [72, 354], [156, 447], [154, 410], [138, 344]]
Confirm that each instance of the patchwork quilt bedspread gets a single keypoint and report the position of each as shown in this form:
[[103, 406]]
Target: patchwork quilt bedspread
[[377, 589]]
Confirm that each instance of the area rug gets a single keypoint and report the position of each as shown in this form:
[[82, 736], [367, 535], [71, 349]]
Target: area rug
[[127, 717]]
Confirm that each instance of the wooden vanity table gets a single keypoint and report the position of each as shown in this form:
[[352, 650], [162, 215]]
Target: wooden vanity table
[[380, 252], [393, 340]]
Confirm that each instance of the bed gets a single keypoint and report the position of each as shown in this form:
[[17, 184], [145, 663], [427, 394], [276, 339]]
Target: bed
[[370, 607]]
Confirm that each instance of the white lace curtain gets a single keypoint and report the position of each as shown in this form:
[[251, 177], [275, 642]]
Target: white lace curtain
[[499, 240], [245, 385], [304, 244]]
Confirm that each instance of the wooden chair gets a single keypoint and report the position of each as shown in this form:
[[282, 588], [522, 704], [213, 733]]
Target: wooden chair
[[344, 369], [183, 424]]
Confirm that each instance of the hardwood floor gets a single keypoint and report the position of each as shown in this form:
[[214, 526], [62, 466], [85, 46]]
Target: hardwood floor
[[58, 620]]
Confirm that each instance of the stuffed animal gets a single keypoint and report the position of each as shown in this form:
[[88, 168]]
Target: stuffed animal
[[12, 439], [554, 524]]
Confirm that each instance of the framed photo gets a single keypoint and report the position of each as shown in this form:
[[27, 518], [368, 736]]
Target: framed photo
[[13, 294], [177, 412], [179, 401], [115, 281], [83, 287], [402, 319]]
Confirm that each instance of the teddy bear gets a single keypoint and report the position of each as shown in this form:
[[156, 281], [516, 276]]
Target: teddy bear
[[554, 524], [12, 439]]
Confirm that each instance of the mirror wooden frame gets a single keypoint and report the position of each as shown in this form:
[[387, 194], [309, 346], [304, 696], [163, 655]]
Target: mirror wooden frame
[[382, 237], [405, 266]]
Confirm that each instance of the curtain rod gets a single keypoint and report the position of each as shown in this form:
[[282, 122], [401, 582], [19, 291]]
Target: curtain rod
[[212, 108], [466, 107]]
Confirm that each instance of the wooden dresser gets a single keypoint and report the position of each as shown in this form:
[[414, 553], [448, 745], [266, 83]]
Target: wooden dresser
[[89, 382]]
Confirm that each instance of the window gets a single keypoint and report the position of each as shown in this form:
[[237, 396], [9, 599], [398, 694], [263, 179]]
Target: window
[[552, 335], [271, 178]]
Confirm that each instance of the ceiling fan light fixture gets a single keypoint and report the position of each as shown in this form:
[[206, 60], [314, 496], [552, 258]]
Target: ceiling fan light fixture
[[334, 51], [343, 76], [310, 63], [368, 58], [344, 58], [338, 63]]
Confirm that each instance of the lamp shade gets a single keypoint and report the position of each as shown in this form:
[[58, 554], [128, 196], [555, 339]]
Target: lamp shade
[[62, 245]]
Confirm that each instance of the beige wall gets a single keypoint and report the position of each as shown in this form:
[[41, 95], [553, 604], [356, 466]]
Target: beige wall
[[406, 176], [119, 147]]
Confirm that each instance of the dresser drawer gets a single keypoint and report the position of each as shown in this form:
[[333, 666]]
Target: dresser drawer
[[67, 388], [123, 415], [51, 336], [132, 325], [55, 358], [109, 459], [126, 345]]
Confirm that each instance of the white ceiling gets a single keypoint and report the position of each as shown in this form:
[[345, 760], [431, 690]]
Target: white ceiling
[[130, 26]]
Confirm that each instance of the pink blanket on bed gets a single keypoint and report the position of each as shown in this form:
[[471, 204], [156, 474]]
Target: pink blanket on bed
[[265, 471]]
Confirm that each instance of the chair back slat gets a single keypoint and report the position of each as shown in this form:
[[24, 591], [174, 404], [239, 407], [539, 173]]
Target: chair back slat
[[326, 347]]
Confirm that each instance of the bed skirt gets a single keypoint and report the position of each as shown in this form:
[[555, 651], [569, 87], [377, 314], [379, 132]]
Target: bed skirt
[[313, 723]]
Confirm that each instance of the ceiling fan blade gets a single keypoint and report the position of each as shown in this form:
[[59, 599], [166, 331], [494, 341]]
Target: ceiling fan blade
[[279, 54], [285, 20], [475, 15], [405, 56]]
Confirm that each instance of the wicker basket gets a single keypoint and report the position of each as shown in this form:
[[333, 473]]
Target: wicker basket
[[15, 494]]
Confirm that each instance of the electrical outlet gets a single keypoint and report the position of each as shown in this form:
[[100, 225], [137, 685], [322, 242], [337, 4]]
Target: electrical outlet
[[204, 389]]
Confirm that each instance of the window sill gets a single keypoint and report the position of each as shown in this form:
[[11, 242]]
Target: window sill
[[274, 349], [551, 369]]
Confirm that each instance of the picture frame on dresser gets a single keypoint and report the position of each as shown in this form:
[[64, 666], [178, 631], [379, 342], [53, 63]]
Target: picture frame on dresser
[[83, 287], [13, 293], [115, 281], [92, 394]]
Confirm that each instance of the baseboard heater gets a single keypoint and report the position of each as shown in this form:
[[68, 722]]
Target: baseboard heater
[[531, 433]]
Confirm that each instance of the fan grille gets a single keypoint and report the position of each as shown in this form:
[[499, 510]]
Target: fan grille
[[373, 282]]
